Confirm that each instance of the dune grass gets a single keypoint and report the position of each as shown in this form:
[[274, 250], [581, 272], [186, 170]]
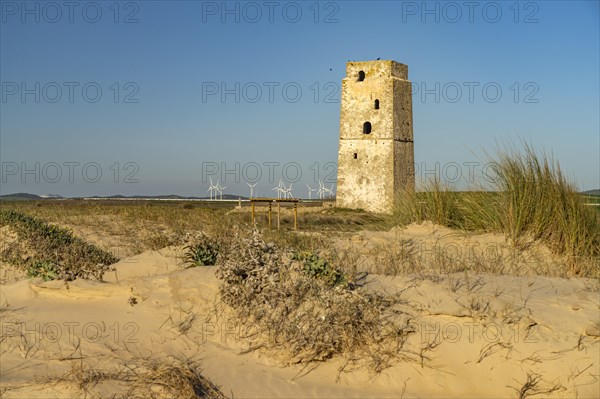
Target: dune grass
[[538, 200], [530, 199]]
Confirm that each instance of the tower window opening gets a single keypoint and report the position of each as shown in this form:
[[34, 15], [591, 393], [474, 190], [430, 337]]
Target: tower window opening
[[361, 76], [367, 128], [376, 104], [355, 155]]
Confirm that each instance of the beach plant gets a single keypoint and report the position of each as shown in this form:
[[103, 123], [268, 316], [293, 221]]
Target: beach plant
[[203, 252], [316, 267], [304, 319], [44, 269]]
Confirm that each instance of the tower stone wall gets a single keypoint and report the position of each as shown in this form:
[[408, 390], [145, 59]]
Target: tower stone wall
[[376, 150]]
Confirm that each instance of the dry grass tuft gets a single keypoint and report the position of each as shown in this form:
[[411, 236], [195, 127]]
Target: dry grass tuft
[[302, 318], [182, 380], [533, 386], [143, 379]]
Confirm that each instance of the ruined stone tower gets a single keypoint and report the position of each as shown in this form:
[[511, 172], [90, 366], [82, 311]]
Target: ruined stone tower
[[376, 151]]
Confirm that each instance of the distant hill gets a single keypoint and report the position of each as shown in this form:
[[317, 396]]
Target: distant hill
[[20, 197], [158, 197], [171, 196], [592, 192], [28, 197], [34, 197]]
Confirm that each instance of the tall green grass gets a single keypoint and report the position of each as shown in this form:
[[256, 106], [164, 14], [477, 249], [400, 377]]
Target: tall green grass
[[530, 199], [538, 200]]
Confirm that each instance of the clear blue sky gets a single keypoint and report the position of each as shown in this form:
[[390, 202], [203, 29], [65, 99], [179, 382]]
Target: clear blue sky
[[164, 123]]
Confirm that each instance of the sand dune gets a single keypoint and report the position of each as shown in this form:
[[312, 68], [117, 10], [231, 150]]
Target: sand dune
[[479, 336]]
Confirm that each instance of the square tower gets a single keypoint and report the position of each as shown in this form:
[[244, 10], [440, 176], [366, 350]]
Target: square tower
[[376, 151]]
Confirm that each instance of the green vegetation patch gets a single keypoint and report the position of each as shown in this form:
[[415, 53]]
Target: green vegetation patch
[[50, 251], [316, 267], [203, 252]]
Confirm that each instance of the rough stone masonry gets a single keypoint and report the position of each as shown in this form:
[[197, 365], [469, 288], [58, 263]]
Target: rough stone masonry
[[376, 151]]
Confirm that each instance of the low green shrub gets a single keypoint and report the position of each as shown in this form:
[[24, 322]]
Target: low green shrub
[[316, 267], [204, 252], [44, 269]]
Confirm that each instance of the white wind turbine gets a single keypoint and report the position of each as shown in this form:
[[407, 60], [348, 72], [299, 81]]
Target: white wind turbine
[[220, 189], [329, 190], [211, 189], [287, 192], [279, 189], [322, 190], [310, 191], [251, 189]]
